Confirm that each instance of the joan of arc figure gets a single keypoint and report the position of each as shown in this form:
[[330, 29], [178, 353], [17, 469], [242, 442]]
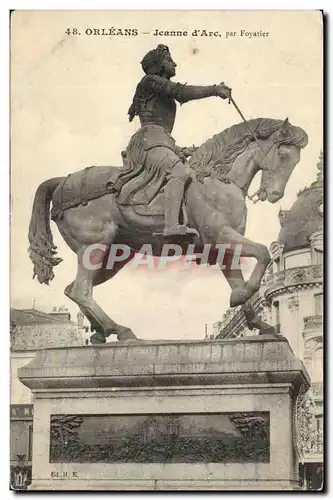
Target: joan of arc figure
[[152, 147]]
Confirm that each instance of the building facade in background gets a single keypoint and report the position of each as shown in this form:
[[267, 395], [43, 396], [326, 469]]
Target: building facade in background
[[291, 298], [31, 330]]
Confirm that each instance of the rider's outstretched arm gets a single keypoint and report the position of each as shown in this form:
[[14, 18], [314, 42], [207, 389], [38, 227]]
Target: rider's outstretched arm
[[184, 93]]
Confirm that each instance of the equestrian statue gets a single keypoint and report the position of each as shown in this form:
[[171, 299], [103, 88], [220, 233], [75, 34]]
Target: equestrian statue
[[164, 192]]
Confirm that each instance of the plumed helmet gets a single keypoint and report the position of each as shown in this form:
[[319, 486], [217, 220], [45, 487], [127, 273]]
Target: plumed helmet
[[152, 62]]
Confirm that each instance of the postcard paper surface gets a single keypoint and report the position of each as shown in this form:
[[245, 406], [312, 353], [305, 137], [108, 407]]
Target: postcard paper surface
[[167, 199]]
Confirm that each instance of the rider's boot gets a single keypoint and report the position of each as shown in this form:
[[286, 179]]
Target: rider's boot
[[174, 191]]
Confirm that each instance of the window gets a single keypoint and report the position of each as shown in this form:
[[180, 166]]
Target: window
[[30, 442], [277, 315], [317, 366], [319, 423], [318, 258], [276, 265], [297, 260], [318, 304], [19, 439]]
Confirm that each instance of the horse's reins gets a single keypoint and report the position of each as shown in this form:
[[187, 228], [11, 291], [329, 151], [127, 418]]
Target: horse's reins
[[265, 153]]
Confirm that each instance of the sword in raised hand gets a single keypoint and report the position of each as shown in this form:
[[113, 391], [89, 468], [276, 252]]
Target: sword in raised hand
[[231, 99]]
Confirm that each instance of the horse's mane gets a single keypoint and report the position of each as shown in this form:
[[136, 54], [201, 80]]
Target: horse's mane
[[218, 153]]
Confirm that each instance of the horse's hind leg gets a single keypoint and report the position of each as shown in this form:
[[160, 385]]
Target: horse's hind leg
[[81, 292]]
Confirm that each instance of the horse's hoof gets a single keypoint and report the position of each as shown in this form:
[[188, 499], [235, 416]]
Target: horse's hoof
[[271, 332], [126, 335], [97, 338], [239, 296]]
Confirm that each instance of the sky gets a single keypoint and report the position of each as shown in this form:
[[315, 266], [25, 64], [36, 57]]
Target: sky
[[69, 100]]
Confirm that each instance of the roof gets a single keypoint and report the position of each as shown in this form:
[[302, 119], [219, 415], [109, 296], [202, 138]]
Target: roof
[[305, 216], [303, 219], [45, 336], [34, 317], [32, 330]]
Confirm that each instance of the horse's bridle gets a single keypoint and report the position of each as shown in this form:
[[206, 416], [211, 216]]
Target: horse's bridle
[[275, 143]]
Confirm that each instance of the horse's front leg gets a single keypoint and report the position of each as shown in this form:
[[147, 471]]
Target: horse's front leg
[[236, 280], [242, 291], [233, 276]]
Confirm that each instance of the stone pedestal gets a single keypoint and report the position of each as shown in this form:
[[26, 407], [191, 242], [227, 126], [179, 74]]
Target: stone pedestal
[[207, 415]]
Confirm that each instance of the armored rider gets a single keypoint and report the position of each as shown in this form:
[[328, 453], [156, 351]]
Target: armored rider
[[152, 146]]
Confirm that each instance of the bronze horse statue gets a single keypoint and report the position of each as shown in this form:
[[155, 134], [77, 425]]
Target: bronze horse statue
[[222, 168]]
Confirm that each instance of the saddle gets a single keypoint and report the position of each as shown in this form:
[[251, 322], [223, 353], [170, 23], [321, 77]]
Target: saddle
[[93, 182], [80, 188]]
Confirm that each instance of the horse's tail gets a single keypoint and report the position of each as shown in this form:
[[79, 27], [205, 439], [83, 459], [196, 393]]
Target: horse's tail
[[42, 249]]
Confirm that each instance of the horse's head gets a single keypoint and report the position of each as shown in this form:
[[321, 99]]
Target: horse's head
[[277, 159], [233, 154]]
